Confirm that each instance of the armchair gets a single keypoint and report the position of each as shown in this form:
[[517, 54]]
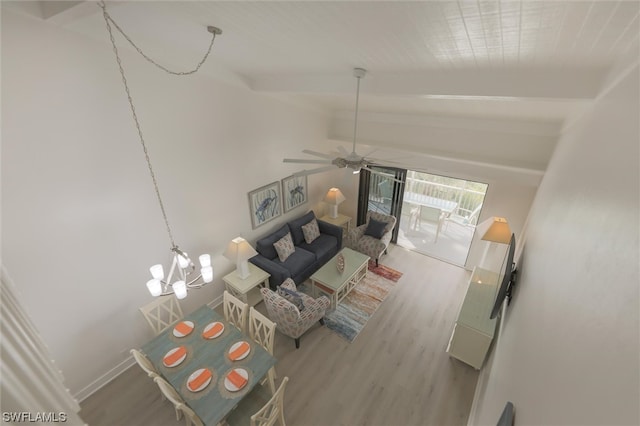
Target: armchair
[[291, 321], [371, 246]]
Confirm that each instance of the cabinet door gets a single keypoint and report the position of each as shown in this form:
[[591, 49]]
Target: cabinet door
[[468, 345]]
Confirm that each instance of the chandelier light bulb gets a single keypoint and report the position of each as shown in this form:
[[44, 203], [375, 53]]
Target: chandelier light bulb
[[154, 287], [183, 261], [180, 289], [205, 260], [157, 272], [207, 274]]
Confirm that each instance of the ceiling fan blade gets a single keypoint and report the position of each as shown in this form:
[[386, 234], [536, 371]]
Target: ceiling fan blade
[[342, 150], [305, 161], [371, 151], [314, 171], [318, 154]]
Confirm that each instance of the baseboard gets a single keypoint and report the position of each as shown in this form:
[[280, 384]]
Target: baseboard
[[120, 368], [104, 379]]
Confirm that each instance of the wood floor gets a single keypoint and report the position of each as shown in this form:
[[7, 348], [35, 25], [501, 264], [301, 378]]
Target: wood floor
[[396, 372]]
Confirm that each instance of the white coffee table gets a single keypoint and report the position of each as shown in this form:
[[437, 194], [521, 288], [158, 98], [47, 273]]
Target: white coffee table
[[335, 285]]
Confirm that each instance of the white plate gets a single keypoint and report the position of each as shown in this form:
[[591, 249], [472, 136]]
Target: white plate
[[178, 334], [210, 326], [230, 386], [193, 376], [235, 346], [178, 361]]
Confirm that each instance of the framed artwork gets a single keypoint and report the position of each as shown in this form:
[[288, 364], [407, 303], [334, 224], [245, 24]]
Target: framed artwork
[[294, 191], [265, 204]]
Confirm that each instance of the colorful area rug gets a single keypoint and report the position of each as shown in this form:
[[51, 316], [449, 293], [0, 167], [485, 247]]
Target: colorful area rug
[[353, 312]]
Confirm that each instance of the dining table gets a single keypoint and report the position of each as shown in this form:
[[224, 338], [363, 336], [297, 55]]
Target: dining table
[[214, 401]]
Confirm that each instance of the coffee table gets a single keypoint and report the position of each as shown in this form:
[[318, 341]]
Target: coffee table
[[335, 285]]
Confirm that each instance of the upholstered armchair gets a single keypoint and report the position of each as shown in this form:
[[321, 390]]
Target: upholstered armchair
[[372, 245], [289, 319]]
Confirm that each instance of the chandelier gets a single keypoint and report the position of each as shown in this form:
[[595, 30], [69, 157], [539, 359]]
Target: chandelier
[[182, 267]]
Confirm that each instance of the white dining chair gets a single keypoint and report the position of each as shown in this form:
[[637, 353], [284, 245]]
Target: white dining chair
[[162, 312], [266, 411], [235, 311], [262, 330], [144, 363], [191, 418]]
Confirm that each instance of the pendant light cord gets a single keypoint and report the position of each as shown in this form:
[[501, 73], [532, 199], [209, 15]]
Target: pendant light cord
[[213, 30], [355, 121], [108, 20]]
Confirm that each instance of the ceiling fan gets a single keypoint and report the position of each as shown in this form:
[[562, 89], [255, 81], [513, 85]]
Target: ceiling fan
[[344, 160]]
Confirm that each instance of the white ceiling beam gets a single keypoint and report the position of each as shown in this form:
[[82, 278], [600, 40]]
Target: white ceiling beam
[[65, 12], [547, 83]]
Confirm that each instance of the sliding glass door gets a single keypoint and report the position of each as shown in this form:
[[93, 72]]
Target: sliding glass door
[[436, 215], [381, 192]]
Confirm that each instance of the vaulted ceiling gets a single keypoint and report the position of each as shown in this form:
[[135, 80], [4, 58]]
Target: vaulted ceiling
[[522, 63]]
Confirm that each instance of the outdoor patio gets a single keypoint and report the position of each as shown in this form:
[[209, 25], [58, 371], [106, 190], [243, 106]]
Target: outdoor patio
[[457, 207], [452, 245]]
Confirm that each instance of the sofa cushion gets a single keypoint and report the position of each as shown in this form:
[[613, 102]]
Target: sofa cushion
[[284, 247], [323, 247], [310, 231], [375, 228], [296, 226], [298, 261], [265, 245]]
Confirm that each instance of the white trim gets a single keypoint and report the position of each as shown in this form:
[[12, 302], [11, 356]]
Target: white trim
[[103, 380]]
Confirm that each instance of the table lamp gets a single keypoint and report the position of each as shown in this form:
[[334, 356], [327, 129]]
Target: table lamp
[[495, 230], [333, 198], [240, 251]]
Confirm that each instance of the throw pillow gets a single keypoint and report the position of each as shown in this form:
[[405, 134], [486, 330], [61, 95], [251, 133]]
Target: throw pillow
[[292, 296], [375, 228], [284, 247], [311, 231]]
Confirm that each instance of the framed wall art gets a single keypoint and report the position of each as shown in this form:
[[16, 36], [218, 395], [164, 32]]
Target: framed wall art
[[265, 204], [294, 191]]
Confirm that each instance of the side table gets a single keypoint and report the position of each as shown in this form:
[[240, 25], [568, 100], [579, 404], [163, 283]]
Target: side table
[[247, 290], [342, 220]]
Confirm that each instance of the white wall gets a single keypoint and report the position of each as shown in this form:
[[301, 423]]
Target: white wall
[[80, 220], [567, 352]]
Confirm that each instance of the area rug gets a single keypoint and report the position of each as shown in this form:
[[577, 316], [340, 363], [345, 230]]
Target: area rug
[[384, 271], [353, 312]]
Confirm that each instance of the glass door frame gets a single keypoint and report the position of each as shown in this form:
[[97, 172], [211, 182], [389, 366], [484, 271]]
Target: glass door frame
[[397, 194]]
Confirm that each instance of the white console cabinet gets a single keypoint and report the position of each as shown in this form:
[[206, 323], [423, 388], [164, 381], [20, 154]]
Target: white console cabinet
[[473, 330]]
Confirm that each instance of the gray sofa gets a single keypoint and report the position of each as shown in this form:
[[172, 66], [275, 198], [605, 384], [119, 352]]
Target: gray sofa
[[306, 259]]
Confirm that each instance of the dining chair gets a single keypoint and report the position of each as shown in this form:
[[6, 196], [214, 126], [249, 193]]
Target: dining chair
[[235, 310], [162, 312], [266, 411], [144, 363], [262, 330], [181, 407]]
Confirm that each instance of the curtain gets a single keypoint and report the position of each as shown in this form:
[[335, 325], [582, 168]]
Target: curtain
[[32, 387]]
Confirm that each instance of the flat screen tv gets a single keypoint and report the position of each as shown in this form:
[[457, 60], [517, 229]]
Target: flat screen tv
[[508, 279]]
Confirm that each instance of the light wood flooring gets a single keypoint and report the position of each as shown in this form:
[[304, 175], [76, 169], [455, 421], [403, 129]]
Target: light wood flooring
[[396, 372]]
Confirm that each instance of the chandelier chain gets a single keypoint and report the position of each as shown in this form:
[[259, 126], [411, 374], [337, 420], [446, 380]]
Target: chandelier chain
[[150, 60], [135, 119]]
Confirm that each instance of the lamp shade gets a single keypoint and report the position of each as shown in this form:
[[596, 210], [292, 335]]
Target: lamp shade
[[238, 250], [495, 229], [334, 197]]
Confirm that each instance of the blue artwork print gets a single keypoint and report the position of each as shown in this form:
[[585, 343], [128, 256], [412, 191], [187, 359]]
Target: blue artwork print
[[294, 189], [265, 204]]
